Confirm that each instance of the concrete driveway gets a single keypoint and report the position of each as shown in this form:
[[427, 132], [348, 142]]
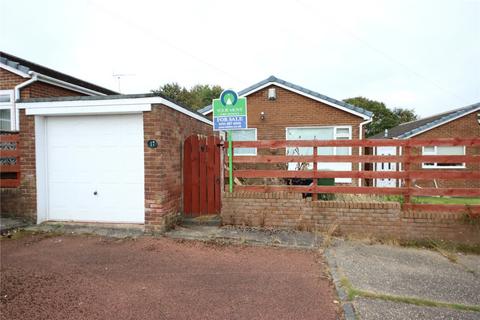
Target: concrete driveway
[[392, 282], [92, 277]]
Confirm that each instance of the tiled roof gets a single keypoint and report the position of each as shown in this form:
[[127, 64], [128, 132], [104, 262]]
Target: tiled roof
[[273, 79], [408, 129]]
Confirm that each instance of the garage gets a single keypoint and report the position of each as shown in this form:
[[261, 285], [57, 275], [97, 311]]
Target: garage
[[104, 159], [95, 168]]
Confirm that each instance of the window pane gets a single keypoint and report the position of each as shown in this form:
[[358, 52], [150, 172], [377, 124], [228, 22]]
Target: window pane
[[5, 119], [5, 98], [243, 135], [429, 150], [450, 150], [325, 151], [344, 132], [343, 151], [310, 134]]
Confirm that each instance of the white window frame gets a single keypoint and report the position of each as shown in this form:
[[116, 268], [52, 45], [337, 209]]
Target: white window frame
[[435, 164], [246, 154], [9, 105], [335, 135]]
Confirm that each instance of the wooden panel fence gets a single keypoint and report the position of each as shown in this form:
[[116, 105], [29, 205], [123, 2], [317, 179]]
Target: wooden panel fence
[[9, 160], [410, 155]]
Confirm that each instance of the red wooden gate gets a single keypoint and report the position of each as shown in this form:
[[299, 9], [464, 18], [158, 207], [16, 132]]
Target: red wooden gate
[[201, 175]]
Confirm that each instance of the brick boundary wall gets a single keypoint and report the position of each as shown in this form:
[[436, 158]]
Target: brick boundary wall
[[364, 219]]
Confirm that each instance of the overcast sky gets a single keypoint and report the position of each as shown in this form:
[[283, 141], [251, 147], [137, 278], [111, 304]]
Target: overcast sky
[[417, 54]]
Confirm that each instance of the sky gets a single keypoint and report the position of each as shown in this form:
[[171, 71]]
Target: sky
[[423, 55]]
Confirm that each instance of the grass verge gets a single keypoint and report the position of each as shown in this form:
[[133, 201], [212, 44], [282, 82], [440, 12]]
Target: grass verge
[[450, 246], [353, 293]]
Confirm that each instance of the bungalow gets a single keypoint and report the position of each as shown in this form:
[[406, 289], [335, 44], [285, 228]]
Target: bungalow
[[458, 123], [279, 110]]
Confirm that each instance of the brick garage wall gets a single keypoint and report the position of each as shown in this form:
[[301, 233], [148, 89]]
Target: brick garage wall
[[163, 165], [22, 201], [293, 110], [464, 127], [380, 219]]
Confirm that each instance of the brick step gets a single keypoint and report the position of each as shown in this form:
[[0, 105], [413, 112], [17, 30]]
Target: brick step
[[206, 220]]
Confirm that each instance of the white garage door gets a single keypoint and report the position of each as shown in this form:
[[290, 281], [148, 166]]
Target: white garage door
[[95, 168]]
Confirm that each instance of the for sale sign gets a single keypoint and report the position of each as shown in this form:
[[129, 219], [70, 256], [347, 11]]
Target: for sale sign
[[229, 112]]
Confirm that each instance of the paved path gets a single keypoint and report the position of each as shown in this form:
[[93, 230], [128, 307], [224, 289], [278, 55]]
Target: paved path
[[251, 236], [8, 223], [407, 272]]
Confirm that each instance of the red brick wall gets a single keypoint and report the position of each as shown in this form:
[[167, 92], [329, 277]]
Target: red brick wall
[[44, 90], [22, 201], [464, 127], [381, 220], [9, 80], [163, 165]]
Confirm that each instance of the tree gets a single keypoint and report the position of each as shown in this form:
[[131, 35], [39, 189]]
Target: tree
[[405, 115], [196, 97], [383, 118]]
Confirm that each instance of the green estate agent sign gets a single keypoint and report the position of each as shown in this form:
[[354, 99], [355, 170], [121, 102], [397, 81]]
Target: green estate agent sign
[[229, 113]]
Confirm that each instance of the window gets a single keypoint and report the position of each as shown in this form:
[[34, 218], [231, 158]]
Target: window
[[443, 150], [6, 110], [244, 135], [322, 133]]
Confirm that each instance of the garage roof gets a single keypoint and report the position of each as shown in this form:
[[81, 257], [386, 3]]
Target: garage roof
[[110, 101]]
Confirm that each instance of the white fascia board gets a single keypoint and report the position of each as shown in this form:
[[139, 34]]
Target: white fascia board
[[66, 85], [104, 106], [56, 111], [308, 96], [13, 70], [440, 124]]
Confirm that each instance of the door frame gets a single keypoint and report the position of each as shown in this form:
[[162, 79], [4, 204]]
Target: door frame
[[41, 172]]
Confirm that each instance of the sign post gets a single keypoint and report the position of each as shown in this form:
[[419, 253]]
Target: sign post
[[230, 162], [229, 113]]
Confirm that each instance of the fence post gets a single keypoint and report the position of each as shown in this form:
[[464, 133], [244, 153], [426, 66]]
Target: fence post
[[315, 169], [406, 167]]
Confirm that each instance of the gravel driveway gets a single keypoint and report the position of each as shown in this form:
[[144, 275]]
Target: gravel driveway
[[80, 277]]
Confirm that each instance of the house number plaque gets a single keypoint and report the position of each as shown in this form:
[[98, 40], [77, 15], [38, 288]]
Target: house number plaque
[[152, 143]]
